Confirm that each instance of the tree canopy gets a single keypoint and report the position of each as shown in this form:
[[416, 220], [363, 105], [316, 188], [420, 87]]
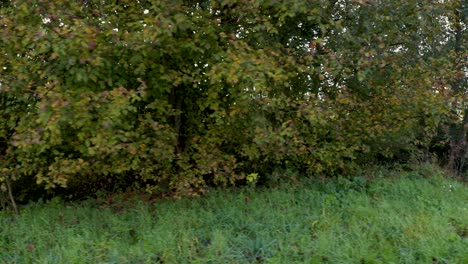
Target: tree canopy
[[178, 95]]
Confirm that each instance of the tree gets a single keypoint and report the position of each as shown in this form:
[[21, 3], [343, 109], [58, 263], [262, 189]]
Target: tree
[[457, 79], [176, 95]]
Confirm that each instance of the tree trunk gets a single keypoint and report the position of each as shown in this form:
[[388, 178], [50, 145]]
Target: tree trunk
[[10, 196], [458, 145], [178, 119]]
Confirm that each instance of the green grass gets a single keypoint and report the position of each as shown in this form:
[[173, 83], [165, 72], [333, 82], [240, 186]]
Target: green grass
[[404, 219]]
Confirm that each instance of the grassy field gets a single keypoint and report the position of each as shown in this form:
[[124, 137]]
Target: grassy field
[[400, 218]]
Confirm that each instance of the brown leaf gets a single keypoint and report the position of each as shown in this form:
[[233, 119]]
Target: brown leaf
[[92, 45], [30, 246]]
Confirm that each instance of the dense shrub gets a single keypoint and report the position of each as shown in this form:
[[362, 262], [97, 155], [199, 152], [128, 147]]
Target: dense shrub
[[175, 95]]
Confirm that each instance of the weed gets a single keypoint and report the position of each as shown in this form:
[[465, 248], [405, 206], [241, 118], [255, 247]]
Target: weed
[[405, 219]]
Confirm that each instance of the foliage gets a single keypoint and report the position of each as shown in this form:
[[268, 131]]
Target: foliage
[[178, 95]]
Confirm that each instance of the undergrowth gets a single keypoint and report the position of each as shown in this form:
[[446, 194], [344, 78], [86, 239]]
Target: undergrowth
[[405, 218]]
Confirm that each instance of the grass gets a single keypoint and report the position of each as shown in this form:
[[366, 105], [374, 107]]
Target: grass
[[404, 219]]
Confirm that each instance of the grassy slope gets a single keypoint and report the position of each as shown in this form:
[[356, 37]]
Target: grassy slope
[[408, 219]]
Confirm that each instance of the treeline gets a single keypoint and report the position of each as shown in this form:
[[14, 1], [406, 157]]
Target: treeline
[[174, 96]]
